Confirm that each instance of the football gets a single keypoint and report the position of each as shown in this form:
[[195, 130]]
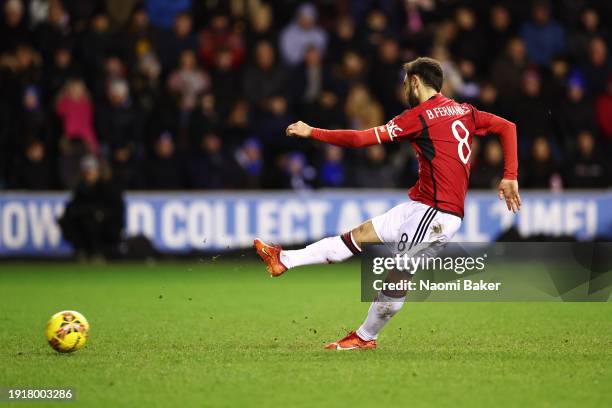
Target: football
[[67, 331]]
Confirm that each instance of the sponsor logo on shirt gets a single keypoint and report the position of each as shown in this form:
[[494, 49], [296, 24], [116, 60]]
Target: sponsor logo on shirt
[[393, 129]]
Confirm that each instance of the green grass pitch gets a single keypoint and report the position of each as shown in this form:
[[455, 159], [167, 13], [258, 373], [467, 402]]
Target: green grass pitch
[[225, 334]]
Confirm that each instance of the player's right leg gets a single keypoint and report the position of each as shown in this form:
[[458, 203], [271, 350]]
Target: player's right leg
[[328, 250]]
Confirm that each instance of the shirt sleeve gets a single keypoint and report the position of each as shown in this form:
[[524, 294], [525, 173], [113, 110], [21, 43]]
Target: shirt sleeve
[[487, 123], [402, 126], [346, 137]]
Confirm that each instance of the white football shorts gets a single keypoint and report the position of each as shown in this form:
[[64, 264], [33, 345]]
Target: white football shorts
[[413, 224]]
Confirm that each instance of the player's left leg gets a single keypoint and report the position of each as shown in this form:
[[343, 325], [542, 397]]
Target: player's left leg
[[382, 309], [420, 224], [328, 250]]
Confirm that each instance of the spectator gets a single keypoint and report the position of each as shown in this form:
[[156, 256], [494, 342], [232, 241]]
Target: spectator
[[555, 85], [165, 170], [58, 72], [499, 32], [210, 168], [332, 172], [204, 119], [353, 69], [540, 167], [33, 171], [261, 27], [146, 84], [23, 69], [33, 120], [188, 81], [94, 217], [75, 109], [343, 38], [470, 89], [375, 30], [118, 120], [310, 78], [531, 109], [226, 83], [165, 117], [487, 173], [590, 27], [112, 70], [587, 169], [39, 10], [363, 112], [326, 112], [140, 36], [575, 112], [220, 37], [387, 75], [507, 70], [98, 44], [265, 77], [72, 152], [54, 31], [597, 68], [544, 38], [301, 34], [298, 174], [162, 12], [377, 171], [603, 107], [416, 13], [249, 158], [127, 172], [273, 119], [120, 12], [237, 128], [405, 166], [488, 99], [469, 42], [452, 77], [172, 44], [13, 29]]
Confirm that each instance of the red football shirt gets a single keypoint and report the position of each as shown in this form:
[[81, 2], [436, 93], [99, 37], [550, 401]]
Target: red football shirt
[[440, 131]]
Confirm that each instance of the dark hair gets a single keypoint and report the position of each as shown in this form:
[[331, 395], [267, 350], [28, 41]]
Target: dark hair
[[428, 69]]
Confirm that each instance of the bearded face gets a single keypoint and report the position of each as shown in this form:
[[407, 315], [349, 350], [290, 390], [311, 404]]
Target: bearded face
[[412, 98], [410, 93]]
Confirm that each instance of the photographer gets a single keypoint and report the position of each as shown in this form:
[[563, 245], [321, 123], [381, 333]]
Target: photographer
[[94, 217]]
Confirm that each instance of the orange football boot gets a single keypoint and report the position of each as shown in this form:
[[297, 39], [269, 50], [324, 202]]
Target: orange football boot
[[270, 254], [351, 342]]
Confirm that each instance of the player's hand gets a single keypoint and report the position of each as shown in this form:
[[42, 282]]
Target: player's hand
[[299, 129], [509, 191]]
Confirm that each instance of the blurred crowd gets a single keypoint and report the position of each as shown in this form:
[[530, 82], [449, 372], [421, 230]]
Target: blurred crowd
[[188, 94]]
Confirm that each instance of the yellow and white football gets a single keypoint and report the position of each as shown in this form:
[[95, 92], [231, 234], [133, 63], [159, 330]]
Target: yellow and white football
[[67, 331]]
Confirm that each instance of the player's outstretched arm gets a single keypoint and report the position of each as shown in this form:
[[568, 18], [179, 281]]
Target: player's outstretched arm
[[342, 137], [506, 130]]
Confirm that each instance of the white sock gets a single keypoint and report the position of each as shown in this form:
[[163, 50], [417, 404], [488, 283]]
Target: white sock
[[380, 312], [327, 250]]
